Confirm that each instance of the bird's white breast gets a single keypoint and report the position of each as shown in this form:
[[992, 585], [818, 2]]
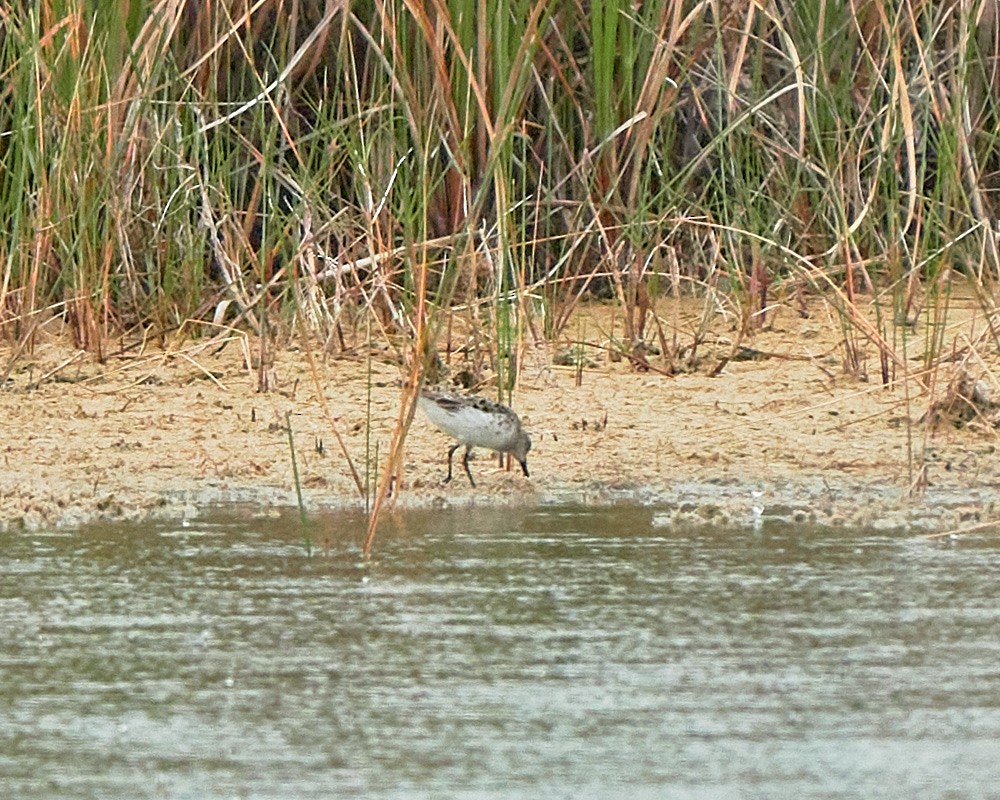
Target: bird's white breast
[[471, 425]]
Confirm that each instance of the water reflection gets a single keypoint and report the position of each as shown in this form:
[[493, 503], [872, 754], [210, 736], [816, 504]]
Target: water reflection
[[558, 652]]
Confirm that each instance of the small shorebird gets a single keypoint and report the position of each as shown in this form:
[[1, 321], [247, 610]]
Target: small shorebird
[[476, 422]]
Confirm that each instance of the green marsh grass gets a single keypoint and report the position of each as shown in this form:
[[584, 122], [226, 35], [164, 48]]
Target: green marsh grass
[[344, 174], [298, 484]]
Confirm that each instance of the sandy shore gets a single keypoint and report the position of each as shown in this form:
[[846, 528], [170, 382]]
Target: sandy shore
[[784, 433]]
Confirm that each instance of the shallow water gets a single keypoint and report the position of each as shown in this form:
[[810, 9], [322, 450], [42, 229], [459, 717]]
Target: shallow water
[[544, 653]]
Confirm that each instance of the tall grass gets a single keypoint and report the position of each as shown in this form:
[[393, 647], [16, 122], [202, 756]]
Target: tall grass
[[168, 162], [288, 166]]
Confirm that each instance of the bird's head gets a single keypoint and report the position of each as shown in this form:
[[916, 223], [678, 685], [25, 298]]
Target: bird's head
[[520, 450]]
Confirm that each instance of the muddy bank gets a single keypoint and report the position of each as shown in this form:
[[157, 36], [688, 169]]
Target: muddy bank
[[785, 432]]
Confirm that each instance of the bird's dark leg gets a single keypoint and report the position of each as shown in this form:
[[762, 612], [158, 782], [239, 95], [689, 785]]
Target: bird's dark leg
[[465, 463], [451, 453]]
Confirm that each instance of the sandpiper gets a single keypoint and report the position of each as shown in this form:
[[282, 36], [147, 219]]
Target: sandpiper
[[476, 422]]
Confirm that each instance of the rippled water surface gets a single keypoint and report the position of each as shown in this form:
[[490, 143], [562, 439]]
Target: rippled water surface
[[558, 653]]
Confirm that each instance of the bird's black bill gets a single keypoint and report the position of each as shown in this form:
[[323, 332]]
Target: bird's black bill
[[524, 468]]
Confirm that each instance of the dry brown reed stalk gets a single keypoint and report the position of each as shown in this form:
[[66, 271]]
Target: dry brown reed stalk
[[150, 47], [24, 343], [204, 371], [54, 371], [838, 297], [407, 405], [319, 32], [321, 398]]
